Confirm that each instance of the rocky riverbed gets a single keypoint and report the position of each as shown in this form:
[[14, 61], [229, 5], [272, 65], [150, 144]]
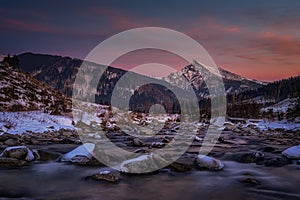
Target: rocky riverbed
[[244, 163]]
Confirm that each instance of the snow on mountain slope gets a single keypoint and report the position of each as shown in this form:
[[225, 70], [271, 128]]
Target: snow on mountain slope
[[281, 106], [19, 92], [32, 121], [232, 82]]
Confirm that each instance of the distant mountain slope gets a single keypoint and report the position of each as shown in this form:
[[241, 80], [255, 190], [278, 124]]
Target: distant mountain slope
[[281, 97], [273, 92], [20, 92], [60, 73], [233, 83]]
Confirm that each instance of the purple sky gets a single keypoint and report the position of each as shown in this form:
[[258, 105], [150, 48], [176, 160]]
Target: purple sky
[[256, 39]]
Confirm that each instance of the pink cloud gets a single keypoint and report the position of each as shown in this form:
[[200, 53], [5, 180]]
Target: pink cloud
[[120, 20], [279, 44], [208, 27], [23, 25]]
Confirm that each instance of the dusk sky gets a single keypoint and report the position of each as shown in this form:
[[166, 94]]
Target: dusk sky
[[256, 39]]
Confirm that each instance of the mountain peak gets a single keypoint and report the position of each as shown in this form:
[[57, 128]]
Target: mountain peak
[[232, 82]]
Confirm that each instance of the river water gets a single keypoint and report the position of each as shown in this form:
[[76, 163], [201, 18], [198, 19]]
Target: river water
[[55, 180]]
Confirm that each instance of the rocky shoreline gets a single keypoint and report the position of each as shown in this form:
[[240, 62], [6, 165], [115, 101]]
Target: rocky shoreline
[[235, 144], [240, 153]]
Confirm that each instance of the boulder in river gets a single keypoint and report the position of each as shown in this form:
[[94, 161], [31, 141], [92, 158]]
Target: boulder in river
[[81, 155], [19, 153], [184, 164], [292, 152], [251, 181], [142, 165], [11, 162], [277, 162], [105, 176], [206, 162], [245, 157], [136, 142]]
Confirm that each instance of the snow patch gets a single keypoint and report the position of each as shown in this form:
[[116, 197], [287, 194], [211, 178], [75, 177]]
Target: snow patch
[[85, 150], [33, 121]]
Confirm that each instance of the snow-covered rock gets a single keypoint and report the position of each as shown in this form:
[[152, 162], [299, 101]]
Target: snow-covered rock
[[142, 164], [157, 144], [292, 152], [198, 139], [81, 154], [18, 152], [105, 176], [209, 163]]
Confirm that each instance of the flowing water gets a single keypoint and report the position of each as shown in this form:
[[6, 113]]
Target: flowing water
[[55, 180]]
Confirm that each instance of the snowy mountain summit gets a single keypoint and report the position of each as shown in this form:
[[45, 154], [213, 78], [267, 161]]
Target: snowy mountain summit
[[232, 82]]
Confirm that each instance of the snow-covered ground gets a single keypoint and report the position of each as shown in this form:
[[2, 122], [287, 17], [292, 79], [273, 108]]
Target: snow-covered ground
[[281, 106], [34, 121], [39, 122], [283, 125]]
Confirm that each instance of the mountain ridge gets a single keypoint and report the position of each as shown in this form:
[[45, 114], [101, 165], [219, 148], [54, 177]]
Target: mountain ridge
[[50, 68], [20, 92]]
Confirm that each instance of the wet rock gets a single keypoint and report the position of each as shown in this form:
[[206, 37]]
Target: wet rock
[[157, 145], [221, 140], [136, 142], [268, 149], [45, 155], [248, 130], [34, 141], [198, 139], [12, 162], [141, 151], [245, 157], [80, 159], [105, 176], [68, 134], [251, 181], [18, 152], [81, 155], [67, 141], [166, 139], [277, 162], [228, 126], [292, 152], [12, 142], [92, 162], [206, 162], [143, 164], [6, 136], [259, 156], [183, 164]]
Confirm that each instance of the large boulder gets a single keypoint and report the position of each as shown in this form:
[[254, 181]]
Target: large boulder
[[19, 153], [209, 163], [183, 164], [81, 155], [245, 157], [142, 164], [292, 152], [11, 162]]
